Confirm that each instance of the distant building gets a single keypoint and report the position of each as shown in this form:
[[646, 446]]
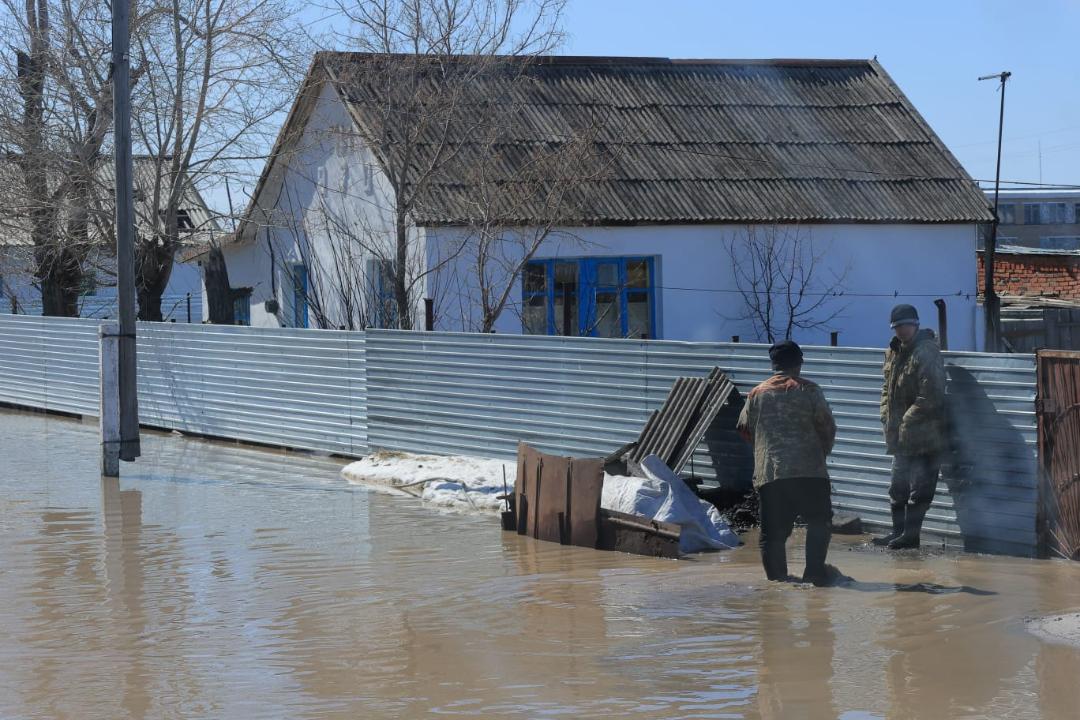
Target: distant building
[[1045, 218]]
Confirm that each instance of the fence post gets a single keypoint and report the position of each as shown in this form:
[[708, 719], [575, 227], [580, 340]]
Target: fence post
[[189, 308], [109, 406]]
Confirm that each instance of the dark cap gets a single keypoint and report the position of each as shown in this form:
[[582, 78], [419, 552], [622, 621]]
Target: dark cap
[[903, 315], [785, 354]]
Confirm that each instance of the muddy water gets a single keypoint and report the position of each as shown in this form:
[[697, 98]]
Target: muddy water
[[220, 582]]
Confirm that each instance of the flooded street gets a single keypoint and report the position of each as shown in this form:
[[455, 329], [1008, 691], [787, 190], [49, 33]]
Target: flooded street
[[214, 581]]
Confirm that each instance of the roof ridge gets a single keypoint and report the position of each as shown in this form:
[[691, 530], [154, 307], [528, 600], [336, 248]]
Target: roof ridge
[[630, 59]]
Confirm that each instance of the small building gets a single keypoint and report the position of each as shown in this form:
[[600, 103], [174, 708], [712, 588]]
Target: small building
[[1045, 217], [734, 188], [182, 299]]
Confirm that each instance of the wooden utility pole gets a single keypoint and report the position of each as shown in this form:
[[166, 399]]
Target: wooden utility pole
[[125, 232], [991, 303]]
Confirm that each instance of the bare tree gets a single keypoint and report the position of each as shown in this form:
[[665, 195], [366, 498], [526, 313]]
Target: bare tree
[[512, 216], [416, 96], [219, 75], [55, 114], [786, 283]]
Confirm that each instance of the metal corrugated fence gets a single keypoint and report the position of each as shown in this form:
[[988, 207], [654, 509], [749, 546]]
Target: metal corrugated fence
[[294, 388], [481, 394]]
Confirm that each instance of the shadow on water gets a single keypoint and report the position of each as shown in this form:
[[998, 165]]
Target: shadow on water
[[922, 587]]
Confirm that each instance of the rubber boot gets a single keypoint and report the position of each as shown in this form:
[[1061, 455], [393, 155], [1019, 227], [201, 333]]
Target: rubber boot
[[817, 548], [913, 521], [898, 513], [774, 559]]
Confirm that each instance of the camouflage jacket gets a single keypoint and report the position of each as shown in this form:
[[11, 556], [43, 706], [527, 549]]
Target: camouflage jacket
[[792, 429], [913, 397]]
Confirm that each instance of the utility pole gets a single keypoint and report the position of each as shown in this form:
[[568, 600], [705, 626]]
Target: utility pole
[[125, 233], [991, 304]]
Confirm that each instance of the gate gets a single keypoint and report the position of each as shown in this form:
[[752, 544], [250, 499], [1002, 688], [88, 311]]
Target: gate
[[1058, 410]]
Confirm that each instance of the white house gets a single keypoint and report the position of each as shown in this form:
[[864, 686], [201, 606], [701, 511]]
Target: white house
[[182, 299], [822, 168]]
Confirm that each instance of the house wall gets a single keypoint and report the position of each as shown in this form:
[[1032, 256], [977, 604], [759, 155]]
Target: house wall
[[1049, 276], [16, 277], [332, 212], [697, 297]]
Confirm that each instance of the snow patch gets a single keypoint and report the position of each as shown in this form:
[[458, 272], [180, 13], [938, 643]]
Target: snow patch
[[459, 483]]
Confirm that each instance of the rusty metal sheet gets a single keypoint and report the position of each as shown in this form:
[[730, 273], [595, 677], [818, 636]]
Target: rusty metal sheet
[[550, 516], [587, 480], [632, 534]]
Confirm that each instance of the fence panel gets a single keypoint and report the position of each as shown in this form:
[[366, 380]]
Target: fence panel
[[481, 394], [294, 388]]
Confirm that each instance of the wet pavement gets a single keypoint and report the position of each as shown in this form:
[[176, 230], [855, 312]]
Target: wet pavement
[[225, 582]]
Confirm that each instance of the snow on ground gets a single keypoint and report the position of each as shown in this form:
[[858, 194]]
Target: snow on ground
[[459, 483], [1064, 629]]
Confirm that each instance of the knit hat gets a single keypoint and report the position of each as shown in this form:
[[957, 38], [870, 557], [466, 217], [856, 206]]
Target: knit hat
[[903, 315], [785, 354]]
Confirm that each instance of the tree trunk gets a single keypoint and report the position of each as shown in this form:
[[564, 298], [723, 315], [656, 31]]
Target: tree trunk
[[401, 292], [218, 292], [153, 263]]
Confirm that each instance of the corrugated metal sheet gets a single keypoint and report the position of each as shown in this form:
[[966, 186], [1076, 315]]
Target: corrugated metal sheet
[[481, 394], [686, 141], [295, 388]]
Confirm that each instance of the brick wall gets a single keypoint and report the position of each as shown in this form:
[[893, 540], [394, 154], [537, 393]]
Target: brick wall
[[1056, 276]]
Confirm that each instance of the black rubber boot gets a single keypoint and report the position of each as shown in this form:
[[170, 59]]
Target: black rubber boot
[[774, 559], [817, 548], [913, 520], [898, 513]]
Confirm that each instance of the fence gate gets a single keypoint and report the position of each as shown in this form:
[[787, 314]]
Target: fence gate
[[1058, 409]]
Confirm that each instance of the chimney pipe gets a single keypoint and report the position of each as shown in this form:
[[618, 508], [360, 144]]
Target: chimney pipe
[[942, 323]]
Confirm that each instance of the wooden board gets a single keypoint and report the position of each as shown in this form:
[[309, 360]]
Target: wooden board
[[587, 480], [551, 518]]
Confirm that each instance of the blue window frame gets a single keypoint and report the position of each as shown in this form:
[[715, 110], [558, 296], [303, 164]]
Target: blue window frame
[[595, 297], [300, 296], [384, 304]]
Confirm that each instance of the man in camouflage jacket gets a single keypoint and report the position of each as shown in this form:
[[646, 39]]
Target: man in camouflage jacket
[[792, 429], [913, 419]]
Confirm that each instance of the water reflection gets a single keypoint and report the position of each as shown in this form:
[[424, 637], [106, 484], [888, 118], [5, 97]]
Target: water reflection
[[214, 581]]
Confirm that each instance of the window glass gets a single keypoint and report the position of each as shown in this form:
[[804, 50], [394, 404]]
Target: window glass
[[1007, 214], [1056, 212], [608, 320], [536, 277], [1031, 214], [534, 315], [637, 274], [607, 274], [638, 320]]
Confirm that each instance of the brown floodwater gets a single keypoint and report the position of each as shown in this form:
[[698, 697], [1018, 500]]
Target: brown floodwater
[[214, 581]]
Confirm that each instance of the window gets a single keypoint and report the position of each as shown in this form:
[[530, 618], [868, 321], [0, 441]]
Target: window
[[598, 297], [183, 219], [1055, 213], [380, 278], [1031, 214], [1007, 214], [1076, 213], [241, 306], [300, 296]]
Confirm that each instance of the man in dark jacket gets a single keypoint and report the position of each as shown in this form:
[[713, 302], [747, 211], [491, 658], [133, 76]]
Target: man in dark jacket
[[792, 429], [913, 418]]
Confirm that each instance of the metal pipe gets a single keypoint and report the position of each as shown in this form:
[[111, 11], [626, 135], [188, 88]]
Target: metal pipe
[[942, 323]]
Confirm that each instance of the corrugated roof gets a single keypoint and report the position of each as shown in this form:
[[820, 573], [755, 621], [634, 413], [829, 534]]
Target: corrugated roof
[[694, 141]]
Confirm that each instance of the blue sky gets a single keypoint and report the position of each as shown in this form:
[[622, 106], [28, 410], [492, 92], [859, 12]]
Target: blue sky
[[934, 51]]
